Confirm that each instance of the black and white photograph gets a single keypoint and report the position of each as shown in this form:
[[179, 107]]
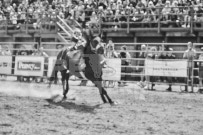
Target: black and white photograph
[[101, 67]]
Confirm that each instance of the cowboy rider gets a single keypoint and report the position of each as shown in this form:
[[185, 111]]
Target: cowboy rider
[[79, 44]]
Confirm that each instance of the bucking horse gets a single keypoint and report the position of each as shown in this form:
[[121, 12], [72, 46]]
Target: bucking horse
[[93, 65]]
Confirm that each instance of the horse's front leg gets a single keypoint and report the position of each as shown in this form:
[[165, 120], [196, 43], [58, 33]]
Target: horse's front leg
[[103, 92], [65, 83]]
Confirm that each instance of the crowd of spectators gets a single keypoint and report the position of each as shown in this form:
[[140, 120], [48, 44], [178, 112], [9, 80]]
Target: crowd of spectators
[[177, 13]]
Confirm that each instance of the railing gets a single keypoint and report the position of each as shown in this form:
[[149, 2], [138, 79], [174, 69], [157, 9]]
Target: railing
[[156, 24], [69, 31]]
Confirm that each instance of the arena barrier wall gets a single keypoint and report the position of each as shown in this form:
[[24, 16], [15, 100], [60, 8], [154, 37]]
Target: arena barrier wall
[[35, 65]]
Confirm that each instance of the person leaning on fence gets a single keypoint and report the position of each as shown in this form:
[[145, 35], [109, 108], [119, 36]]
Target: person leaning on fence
[[151, 55], [200, 64], [190, 55], [23, 52], [161, 54], [125, 56], [168, 57], [141, 64], [40, 52], [5, 52]]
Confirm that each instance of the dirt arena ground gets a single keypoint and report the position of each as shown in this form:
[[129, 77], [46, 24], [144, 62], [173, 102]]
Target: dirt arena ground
[[27, 109]]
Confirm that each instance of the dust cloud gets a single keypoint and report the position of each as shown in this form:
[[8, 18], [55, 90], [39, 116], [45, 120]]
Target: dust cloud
[[29, 89]]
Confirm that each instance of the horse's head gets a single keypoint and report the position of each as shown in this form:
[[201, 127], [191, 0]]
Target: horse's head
[[96, 45]]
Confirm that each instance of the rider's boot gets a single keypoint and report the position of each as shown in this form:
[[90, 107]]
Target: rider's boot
[[81, 65]]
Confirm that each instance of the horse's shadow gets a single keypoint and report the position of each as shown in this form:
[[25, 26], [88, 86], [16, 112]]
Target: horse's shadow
[[73, 106]]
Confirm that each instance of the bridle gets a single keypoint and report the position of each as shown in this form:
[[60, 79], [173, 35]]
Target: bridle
[[94, 50]]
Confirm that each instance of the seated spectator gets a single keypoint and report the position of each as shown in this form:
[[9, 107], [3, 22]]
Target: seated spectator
[[199, 16], [109, 15], [173, 18], [187, 19], [159, 6], [117, 19], [94, 20], [81, 19], [140, 4], [166, 10], [137, 16], [149, 17]]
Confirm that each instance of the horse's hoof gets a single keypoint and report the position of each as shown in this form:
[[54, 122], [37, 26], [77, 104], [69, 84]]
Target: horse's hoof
[[113, 103]]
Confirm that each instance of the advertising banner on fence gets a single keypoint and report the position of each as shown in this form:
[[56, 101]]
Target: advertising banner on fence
[[52, 61], [173, 68], [5, 64], [113, 70], [29, 65]]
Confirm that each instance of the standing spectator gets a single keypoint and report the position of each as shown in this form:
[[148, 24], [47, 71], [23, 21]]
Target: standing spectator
[[170, 79], [200, 64], [40, 52], [24, 52], [141, 62], [110, 50], [6, 51], [125, 56], [151, 55], [190, 55]]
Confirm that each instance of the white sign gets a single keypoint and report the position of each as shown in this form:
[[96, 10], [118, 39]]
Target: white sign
[[113, 70], [29, 65], [172, 68], [51, 63], [5, 64]]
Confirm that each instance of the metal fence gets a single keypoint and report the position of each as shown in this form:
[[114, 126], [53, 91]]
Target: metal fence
[[30, 65]]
